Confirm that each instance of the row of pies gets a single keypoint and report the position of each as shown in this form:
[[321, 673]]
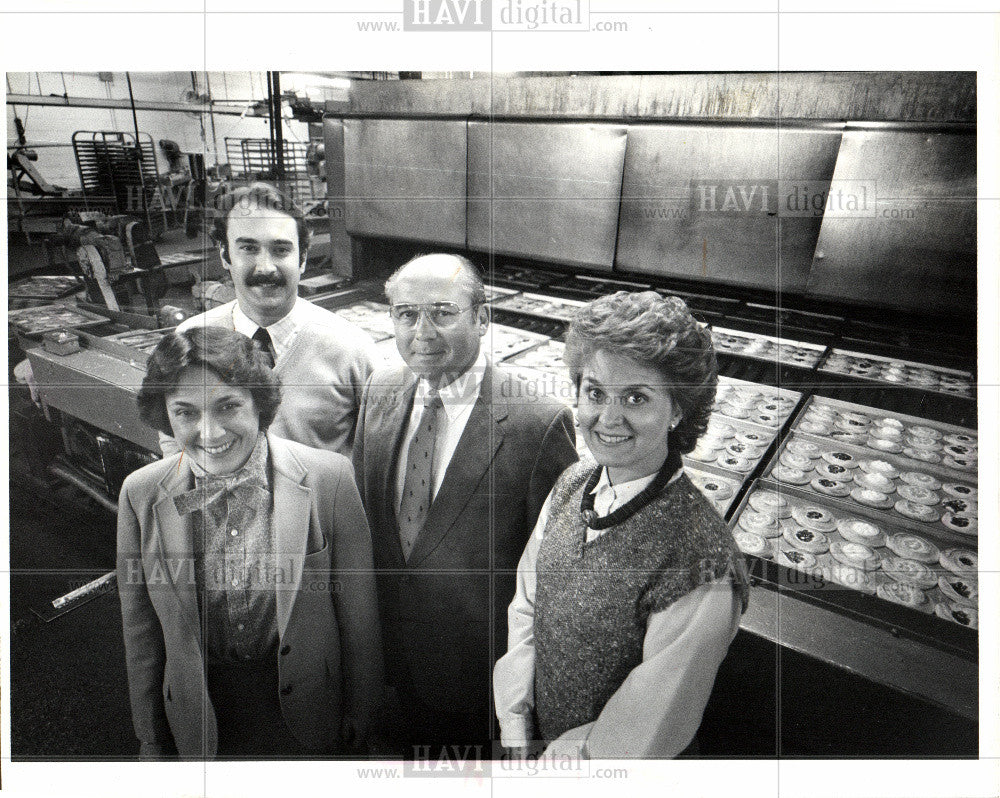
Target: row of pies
[[749, 403], [899, 372], [879, 484], [765, 349], [860, 550], [731, 448], [921, 442]]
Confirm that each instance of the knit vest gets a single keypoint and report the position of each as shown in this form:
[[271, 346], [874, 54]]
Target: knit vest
[[593, 599]]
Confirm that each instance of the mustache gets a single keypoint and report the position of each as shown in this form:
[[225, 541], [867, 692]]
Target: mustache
[[265, 279]]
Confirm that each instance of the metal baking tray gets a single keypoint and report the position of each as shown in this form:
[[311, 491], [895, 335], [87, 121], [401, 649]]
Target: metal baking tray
[[941, 468], [964, 378], [767, 347], [816, 583], [35, 321], [935, 530], [45, 287], [539, 306]]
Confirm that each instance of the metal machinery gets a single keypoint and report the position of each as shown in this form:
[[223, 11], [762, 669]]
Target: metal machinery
[[838, 333]]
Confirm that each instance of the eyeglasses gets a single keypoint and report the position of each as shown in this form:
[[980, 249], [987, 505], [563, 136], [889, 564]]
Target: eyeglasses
[[440, 314]]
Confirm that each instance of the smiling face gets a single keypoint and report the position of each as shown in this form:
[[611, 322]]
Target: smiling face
[[214, 422], [440, 354], [264, 261], [626, 412]]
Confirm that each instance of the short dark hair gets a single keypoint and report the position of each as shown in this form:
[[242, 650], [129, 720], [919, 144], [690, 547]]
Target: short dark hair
[[659, 333], [257, 195], [474, 281], [229, 354]]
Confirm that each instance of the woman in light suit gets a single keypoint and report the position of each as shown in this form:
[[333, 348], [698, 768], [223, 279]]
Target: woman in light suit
[[244, 569]]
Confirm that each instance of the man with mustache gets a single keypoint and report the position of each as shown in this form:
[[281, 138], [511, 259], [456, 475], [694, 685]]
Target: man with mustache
[[321, 359]]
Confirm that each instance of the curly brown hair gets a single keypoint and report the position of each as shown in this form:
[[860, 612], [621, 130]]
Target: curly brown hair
[[659, 333]]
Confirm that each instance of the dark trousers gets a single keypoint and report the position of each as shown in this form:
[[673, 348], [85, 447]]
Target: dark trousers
[[411, 729], [248, 711]]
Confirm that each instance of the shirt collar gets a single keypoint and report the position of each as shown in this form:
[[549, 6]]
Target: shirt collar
[[624, 491], [461, 392], [281, 332]]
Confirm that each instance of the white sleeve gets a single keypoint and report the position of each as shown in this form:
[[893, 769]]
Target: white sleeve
[[514, 673]]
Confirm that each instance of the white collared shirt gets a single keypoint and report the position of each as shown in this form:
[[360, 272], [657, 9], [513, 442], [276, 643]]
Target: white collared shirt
[[458, 398], [282, 332]]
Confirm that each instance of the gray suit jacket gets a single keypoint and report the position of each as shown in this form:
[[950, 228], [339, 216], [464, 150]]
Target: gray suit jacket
[[444, 611], [329, 659]]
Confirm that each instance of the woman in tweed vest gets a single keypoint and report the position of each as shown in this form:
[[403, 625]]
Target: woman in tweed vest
[[631, 587]]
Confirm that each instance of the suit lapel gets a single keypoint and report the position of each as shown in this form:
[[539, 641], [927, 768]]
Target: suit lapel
[[480, 441], [289, 526], [385, 428], [176, 546]]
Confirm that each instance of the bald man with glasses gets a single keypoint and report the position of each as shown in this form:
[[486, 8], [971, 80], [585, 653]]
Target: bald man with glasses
[[454, 457]]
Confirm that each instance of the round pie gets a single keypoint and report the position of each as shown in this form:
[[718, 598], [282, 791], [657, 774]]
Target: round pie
[[905, 570], [874, 481], [961, 506], [920, 480], [884, 445], [705, 454], [840, 458], [864, 532], [733, 411], [740, 449], [763, 524], [883, 467], [815, 518], [831, 487], [804, 539], [793, 460], [925, 432], [814, 428], [918, 512], [962, 562], [765, 419], [740, 464], [795, 558], [802, 446], [961, 438], [922, 455], [962, 523], [889, 421], [836, 472], [715, 490], [918, 494], [854, 578], [959, 589], [793, 476], [768, 501], [961, 450], [751, 438], [902, 593], [871, 498], [961, 463], [888, 433], [960, 490], [855, 419], [855, 555], [957, 613], [927, 444], [912, 547], [750, 543]]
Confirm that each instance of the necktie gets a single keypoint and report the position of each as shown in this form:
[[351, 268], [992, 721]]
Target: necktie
[[418, 484], [262, 341]]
